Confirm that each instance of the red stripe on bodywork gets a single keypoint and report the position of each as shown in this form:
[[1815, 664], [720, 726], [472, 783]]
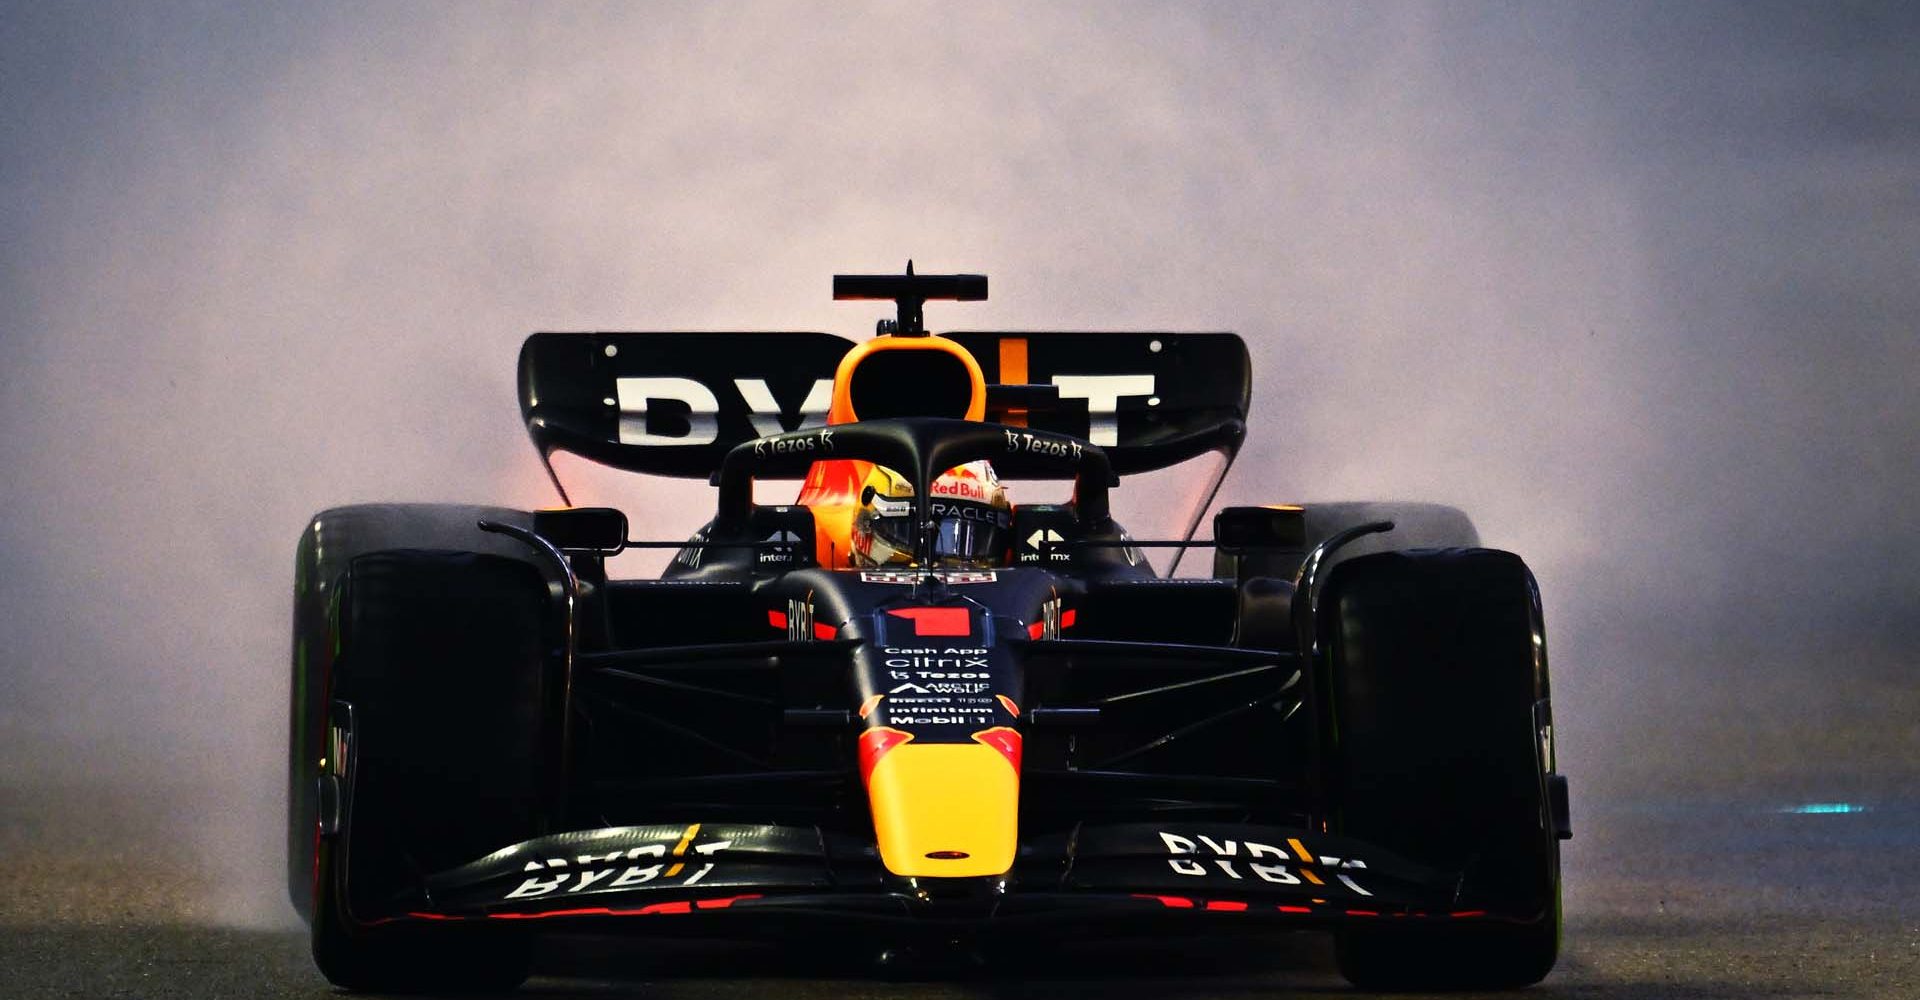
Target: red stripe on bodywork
[[777, 619], [1170, 902], [677, 906], [874, 744], [1227, 906], [824, 631], [1005, 740], [936, 622], [597, 911]]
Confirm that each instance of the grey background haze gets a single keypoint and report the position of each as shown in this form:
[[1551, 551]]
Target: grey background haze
[[1632, 283]]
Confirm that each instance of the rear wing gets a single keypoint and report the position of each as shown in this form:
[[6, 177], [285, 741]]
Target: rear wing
[[1150, 399], [673, 404]]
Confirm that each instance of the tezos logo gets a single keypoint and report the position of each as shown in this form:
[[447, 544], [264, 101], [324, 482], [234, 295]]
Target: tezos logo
[[1024, 441], [820, 441]]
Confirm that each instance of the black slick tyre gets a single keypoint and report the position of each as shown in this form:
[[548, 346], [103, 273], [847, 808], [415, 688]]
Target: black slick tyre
[[439, 683], [1437, 680]]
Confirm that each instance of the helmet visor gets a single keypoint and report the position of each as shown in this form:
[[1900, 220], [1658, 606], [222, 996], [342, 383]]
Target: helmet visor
[[969, 534], [895, 530]]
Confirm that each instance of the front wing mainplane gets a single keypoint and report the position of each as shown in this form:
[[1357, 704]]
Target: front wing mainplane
[[1123, 872]]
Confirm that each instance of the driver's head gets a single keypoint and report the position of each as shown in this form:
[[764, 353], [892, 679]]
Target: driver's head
[[971, 517]]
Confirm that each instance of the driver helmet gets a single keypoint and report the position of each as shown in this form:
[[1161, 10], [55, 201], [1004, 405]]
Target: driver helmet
[[971, 516]]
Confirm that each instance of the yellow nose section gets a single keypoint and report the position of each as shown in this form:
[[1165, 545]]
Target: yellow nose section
[[947, 809]]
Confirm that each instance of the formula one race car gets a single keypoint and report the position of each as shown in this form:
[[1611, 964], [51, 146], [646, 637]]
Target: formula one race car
[[902, 710]]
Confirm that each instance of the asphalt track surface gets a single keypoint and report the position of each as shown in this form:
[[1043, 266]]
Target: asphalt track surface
[[1679, 893]]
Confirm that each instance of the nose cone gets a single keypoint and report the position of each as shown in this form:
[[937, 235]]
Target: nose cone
[[945, 809]]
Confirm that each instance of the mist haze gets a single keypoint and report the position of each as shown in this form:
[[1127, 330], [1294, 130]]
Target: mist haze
[[1632, 284]]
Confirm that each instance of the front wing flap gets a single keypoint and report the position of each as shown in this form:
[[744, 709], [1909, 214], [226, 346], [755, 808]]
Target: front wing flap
[[1253, 860], [631, 862]]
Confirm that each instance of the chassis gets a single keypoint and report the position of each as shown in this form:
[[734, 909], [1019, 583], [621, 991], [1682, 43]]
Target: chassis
[[1346, 726]]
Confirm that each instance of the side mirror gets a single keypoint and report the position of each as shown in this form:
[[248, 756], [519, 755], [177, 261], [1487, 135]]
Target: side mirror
[[1277, 526], [1259, 541], [582, 529]]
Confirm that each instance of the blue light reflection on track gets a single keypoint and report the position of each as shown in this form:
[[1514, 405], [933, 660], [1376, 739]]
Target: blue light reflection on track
[[1824, 809]]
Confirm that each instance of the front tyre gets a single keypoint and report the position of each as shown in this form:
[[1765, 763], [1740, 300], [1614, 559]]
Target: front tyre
[[1437, 676], [438, 689]]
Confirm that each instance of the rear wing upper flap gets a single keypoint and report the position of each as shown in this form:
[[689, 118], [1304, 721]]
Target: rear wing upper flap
[[673, 404]]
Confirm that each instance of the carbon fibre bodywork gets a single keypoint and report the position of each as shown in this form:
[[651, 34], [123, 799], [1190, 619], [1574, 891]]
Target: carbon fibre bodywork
[[769, 735], [1167, 754]]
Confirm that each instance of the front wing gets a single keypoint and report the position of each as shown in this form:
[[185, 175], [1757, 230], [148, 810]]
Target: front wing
[[1120, 871]]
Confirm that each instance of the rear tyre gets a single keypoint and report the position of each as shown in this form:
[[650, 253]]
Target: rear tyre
[[441, 679], [1438, 680]]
